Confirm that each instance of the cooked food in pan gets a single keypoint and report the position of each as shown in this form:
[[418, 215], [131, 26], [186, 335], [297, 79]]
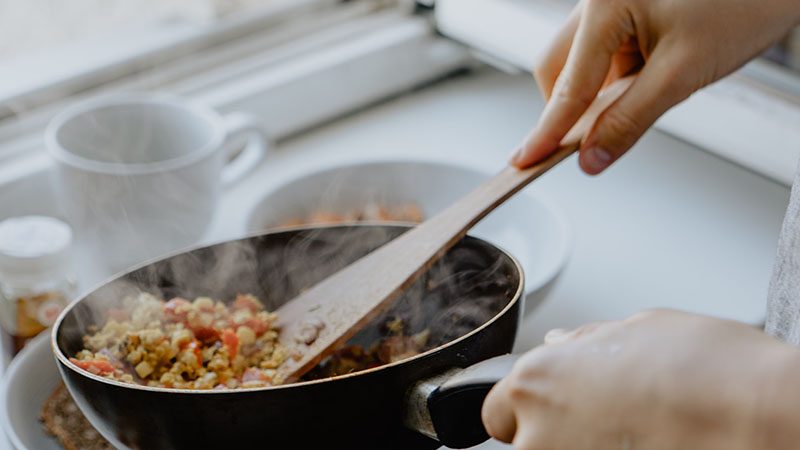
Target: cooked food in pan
[[468, 306], [205, 344], [200, 344], [397, 345]]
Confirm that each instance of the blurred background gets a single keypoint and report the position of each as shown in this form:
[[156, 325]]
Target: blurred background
[[39, 25], [381, 109]]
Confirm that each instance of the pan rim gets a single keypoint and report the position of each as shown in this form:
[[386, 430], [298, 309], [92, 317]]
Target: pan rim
[[64, 362]]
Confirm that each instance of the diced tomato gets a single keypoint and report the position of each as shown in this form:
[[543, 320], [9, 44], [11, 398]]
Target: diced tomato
[[253, 374], [256, 325], [95, 366], [231, 342], [118, 314], [177, 309], [205, 334], [247, 302], [195, 346]]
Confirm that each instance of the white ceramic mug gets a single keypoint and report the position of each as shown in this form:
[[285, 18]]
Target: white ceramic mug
[[139, 175]]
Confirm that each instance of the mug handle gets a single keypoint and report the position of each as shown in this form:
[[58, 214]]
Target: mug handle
[[243, 126]]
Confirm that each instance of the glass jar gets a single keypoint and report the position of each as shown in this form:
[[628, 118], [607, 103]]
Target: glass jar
[[36, 279]]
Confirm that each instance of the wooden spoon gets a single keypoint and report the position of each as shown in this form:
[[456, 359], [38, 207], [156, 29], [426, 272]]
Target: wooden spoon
[[328, 314]]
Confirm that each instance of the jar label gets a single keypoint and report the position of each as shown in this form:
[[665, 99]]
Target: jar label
[[48, 312]]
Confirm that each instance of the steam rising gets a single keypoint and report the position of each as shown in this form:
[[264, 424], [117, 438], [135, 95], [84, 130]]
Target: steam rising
[[126, 184], [33, 25], [461, 292]]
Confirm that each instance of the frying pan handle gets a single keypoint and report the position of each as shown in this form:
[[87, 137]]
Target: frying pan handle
[[453, 402]]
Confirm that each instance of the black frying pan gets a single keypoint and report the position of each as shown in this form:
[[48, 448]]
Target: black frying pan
[[471, 301]]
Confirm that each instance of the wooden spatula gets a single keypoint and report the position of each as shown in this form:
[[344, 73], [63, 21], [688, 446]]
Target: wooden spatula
[[316, 322]]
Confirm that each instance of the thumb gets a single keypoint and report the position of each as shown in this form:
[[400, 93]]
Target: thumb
[[660, 85]]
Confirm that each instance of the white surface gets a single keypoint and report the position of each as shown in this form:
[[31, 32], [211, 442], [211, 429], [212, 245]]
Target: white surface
[[431, 187], [516, 31], [30, 379], [37, 25], [30, 79], [736, 121], [667, 226], [731, 118]]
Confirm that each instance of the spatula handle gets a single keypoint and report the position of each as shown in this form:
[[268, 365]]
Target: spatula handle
[[446, 228], [449, 226], [347, 300]]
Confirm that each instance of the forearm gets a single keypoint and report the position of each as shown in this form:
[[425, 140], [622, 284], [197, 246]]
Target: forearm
[[777, 421]]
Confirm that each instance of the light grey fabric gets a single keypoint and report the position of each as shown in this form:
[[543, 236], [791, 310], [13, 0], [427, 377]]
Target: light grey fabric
[[783, 303]]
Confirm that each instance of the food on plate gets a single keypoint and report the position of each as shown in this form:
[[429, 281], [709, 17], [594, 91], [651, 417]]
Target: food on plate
[[62, 419], [408, 212], [199, 344]]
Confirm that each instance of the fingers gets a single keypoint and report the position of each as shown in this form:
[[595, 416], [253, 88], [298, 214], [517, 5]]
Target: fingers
[[520, 407], [658, 87], [553, 60], [601, 31], [626, 61], [515, 394], [498, 413]]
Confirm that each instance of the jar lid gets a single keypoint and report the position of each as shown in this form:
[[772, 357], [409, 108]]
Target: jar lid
[[33, 244]]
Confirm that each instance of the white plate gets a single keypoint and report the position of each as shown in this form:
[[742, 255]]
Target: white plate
[[30, 379], [529, 226]]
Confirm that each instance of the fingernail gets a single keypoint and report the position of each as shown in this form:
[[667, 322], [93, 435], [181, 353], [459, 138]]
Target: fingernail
[[597, 159], [515, 155]]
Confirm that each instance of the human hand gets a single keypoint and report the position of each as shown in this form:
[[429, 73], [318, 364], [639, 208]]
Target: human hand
[[658, 380], [677, 46]]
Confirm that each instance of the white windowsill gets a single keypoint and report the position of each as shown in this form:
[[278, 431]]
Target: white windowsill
[[37, 79]]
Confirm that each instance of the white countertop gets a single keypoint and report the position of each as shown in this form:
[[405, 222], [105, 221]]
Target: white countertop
[[668, 226]]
